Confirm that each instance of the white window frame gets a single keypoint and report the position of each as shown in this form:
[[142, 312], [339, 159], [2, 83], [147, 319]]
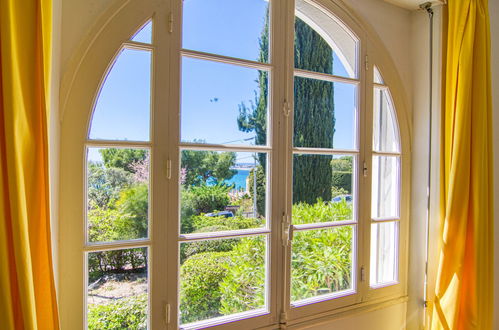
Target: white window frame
[[79, 91]]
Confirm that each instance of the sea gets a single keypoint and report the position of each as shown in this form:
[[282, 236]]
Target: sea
[[239, 179]]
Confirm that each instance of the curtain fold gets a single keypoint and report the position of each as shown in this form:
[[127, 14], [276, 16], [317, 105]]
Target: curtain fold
[[27, 290], [464, 288]]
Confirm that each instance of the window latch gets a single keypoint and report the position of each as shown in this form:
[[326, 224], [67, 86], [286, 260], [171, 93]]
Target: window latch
[[365, 169], [167, 313], [362, 274], [169, 169], [286, 108], [170, 23], [286, 230]]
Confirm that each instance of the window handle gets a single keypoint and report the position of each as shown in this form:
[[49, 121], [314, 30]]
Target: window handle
[[170, 23], [167, 313], [286, 230], [169, 169]]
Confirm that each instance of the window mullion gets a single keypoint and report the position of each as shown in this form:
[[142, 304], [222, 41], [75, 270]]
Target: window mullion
[[162, 257], [365, 182], [283, 111]]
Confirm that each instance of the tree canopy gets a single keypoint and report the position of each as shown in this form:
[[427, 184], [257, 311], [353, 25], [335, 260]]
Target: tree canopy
[[203, 167], [313, 113]]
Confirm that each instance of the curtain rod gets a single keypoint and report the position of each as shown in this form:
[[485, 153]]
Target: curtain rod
[[427, 6]]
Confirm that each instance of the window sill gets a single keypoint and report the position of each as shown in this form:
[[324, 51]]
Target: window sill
[[323, 318]]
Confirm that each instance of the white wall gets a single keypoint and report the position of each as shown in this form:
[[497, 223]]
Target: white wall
[[77, 18], [420, 58], [393, 26], [54, 131], [388, 318]]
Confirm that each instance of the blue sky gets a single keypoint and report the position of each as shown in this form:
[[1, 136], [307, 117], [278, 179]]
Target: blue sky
[[211, 92]]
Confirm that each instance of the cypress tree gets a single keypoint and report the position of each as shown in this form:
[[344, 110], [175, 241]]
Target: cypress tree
[[313, 113], [313, 116]]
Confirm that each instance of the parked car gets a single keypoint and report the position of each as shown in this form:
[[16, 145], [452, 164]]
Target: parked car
[[225, 214], [347, 198]]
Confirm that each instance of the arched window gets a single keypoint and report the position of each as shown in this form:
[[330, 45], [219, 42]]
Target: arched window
[[242, 168]]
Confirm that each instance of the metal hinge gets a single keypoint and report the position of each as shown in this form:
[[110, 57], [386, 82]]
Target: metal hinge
[[170, 23], [362, 274], [366, 62], [286, 230], [286, 108], [364, 169], [169, 169], [167, 313]]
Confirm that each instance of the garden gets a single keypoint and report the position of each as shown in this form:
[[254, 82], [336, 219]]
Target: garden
[[217, 277]]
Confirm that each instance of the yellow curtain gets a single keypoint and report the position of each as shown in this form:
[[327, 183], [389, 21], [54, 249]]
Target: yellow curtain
[[27, 291], [464, 290]]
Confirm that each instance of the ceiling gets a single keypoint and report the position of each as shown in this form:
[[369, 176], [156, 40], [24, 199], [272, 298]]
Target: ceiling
[[412, 4]]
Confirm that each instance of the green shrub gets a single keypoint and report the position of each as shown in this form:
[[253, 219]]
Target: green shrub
[[321, 212], [115, 262], [189, 249], [342, 180], [335, 191], [202, 199], [243, 288], [125, 313], [127, 220], [134, 205], [200, 293], [238, 222], [105, 185], [260, 188], [321, 262], [203, 224]]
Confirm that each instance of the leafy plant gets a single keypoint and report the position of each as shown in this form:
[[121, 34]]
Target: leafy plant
[[260, 188], [124, 313], [123, 158], [321, 262], [237, 222], [243, 288], [202, 167], [202, 199], [321, 212], [200, 293], [105, 185]]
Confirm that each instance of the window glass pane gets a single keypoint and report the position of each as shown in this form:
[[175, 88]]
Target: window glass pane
[[324, 114], [117, 293], [144, 34], [117, 194], [222, 277], [385, 187], [223, 103], [323, 188], [218, 190], [122, 110], [377, 77], [384, 238], [321, 262], [385, 125], [322, 43], [227, 27]]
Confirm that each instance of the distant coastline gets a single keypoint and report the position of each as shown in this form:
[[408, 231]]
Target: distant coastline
[[239, 179]]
